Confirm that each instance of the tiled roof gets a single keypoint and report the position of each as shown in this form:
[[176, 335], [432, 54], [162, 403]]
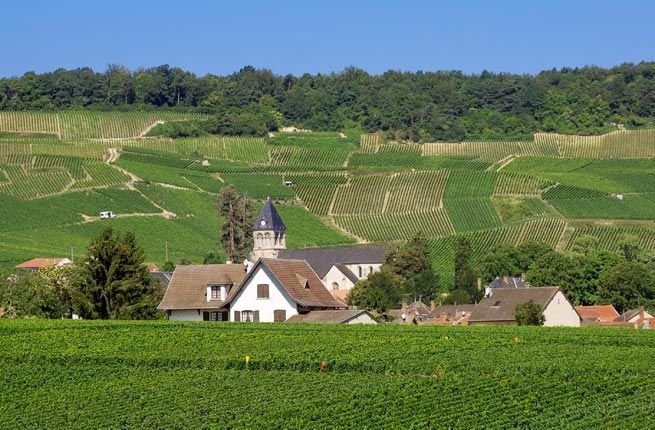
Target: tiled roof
[[269, 219], [629, 314], [188, 285], [328, 317], [322, 259], [299, 281], [37, 263], [604, 313], [499, 307], [453, 311]]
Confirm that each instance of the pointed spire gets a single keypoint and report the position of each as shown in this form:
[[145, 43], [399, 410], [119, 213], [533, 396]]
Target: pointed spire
[[269, 218]]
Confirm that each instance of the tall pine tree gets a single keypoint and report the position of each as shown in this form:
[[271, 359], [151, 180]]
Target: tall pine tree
[[236, 233]]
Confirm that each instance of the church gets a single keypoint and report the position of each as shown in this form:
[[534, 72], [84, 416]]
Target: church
[[339, 268], [281, 285]]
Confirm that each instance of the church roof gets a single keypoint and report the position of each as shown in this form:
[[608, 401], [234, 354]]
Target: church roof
[[322, 259], [269, 219]]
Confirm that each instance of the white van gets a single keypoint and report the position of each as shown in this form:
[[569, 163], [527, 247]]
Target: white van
[[107, 215]]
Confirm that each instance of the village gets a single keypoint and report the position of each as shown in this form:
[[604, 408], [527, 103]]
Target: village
[[312, 285]]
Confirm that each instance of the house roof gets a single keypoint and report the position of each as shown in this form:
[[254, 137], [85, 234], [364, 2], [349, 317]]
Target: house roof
[[152, 267], [604, 313], [298, 280], [37, 263], [188, 285], [269, 219], [340, 316], [452, 311], [322, 259], [507, 282], [501, 304], [629, 314]]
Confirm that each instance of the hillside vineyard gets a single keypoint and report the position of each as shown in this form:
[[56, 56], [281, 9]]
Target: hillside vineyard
[[58, 170]]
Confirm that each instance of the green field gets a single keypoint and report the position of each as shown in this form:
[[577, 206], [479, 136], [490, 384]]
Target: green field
[[59, 169], [90, 375]]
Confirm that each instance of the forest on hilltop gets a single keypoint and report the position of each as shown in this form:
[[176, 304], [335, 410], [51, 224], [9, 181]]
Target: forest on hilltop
[[443, 105]]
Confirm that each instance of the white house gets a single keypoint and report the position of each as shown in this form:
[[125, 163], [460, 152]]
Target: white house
[[277, 289], [499, 306]]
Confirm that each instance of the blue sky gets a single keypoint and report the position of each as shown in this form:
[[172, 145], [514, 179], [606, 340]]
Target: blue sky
[[297, 36]]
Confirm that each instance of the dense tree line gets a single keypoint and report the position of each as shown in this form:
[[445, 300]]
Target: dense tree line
[[446, 105], [110, 282]]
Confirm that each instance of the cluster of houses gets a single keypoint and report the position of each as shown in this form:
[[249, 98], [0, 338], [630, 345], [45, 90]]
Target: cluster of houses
[[311, 285]]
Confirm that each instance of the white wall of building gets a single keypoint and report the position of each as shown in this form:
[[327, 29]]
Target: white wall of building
[[185, 315], [335, 276], [278, 299], [559, 312], [366, 269]]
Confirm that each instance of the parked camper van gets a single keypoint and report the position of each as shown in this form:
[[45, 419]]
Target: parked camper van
[[107, 215]]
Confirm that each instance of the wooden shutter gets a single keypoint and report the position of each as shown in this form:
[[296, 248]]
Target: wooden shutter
[[205, 316], [225, 316], [256, 315], [279, 315], [237, 316], [262, 291]]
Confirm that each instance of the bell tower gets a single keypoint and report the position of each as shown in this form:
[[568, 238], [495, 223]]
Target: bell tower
[[269, 233]]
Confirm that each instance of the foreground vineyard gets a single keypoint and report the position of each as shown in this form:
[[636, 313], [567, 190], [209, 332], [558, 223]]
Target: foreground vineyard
[[193, 375]]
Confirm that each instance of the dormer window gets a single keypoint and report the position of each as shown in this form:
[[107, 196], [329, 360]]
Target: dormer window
[[217, 292]]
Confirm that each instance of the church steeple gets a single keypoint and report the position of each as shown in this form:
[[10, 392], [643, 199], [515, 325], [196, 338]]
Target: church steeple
[[269, 233]]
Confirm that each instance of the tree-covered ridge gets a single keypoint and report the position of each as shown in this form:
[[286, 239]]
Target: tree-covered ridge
[[444, 105]]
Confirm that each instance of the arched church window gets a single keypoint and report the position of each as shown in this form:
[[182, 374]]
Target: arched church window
[[360, 271], [335, 286]]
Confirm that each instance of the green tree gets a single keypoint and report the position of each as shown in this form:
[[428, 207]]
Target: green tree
[[379, 292], [412, 263], [529, 314], [238, 215], [115, 280], [465, 277], [628, 285]]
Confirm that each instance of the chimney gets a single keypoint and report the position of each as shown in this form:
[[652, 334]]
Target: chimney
[[641, 313], [432, 305], [479, 284]]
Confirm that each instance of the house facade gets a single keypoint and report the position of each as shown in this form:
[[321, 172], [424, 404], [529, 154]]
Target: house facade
[[499, 306], [276, 290]]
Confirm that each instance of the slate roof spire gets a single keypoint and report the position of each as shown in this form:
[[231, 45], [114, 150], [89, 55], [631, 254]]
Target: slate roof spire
[[269, 219]]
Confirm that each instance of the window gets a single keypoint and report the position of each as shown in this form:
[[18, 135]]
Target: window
[[360, 271], [370, 269], [216, 316], [335, 286], [262, 291], [279, 315], [217, 292], [249, 316]]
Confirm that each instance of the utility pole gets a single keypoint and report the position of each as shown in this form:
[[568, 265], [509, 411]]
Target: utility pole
[[72, 254]]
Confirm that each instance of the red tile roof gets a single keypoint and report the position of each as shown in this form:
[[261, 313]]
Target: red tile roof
[[602, 314], [37, 263]]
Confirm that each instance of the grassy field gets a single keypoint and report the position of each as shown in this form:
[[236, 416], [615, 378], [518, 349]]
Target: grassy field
[[59, 169], [59, 374]]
